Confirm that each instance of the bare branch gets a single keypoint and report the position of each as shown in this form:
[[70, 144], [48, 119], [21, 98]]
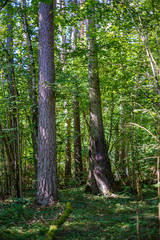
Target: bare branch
[[137, 125]]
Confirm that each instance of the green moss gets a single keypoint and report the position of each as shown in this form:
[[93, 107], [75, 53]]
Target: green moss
[[53, 229]]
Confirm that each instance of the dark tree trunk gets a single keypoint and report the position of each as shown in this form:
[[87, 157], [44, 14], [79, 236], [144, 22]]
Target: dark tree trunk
[[100, 175], [47, 163]]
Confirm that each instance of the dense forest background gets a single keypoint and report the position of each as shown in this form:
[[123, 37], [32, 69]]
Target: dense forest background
[[101, 112]]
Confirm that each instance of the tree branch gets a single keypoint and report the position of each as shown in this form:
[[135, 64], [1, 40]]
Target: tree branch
[[3, 5]]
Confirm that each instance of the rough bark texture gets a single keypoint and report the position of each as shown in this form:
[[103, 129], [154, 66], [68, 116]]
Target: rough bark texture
[[47, 164], [100, 175]]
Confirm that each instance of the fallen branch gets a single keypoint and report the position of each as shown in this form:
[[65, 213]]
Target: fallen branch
[[53, 228]]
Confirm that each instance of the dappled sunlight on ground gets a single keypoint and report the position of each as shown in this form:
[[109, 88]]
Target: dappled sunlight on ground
[[94, 217]]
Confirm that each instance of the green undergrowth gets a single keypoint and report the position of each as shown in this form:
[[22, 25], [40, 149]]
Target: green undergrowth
[[93, 217]]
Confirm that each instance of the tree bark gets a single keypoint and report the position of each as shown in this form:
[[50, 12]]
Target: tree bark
[[47, 191], [100, 175]]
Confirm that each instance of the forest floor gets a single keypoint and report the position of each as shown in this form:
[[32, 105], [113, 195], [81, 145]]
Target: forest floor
[[116, 217]]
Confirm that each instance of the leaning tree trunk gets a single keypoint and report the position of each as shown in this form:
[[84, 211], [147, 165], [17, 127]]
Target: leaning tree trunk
[[100, 175], [47, 163]]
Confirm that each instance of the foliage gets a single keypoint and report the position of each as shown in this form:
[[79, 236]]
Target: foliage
[[47, 1], [128, 34], [93, 217]]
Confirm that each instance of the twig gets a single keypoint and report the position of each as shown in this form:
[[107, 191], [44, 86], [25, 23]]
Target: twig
[[3, 5], [137, 125], [25, 221]]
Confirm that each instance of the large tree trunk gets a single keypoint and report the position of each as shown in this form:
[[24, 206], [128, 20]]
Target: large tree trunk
[[47, 162], [100, 175]]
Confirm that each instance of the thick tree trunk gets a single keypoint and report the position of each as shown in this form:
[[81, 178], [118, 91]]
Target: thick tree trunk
[[100, 175], [47, 162]]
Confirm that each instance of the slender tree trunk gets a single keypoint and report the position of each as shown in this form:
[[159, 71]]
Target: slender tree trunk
[[76, 119], [66, 106], [117, 151], [132, 150], [68, 144], [100, 175], [122, 162], [5, 178], [32, 84], [77, 142], [47, 163], [13, 97]]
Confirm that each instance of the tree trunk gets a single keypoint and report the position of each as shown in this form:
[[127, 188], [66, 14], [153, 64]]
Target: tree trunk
[[77, 142], [47, 163], [32, 84], [100, 175], [76, 119], [13, 97], [122, 162], [68, 144], [68, 173]]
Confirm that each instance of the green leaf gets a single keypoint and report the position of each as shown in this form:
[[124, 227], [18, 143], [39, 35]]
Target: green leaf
[[48, 2], [157, 184]]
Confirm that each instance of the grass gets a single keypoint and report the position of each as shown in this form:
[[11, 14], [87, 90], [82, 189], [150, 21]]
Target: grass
[[93, 217]]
